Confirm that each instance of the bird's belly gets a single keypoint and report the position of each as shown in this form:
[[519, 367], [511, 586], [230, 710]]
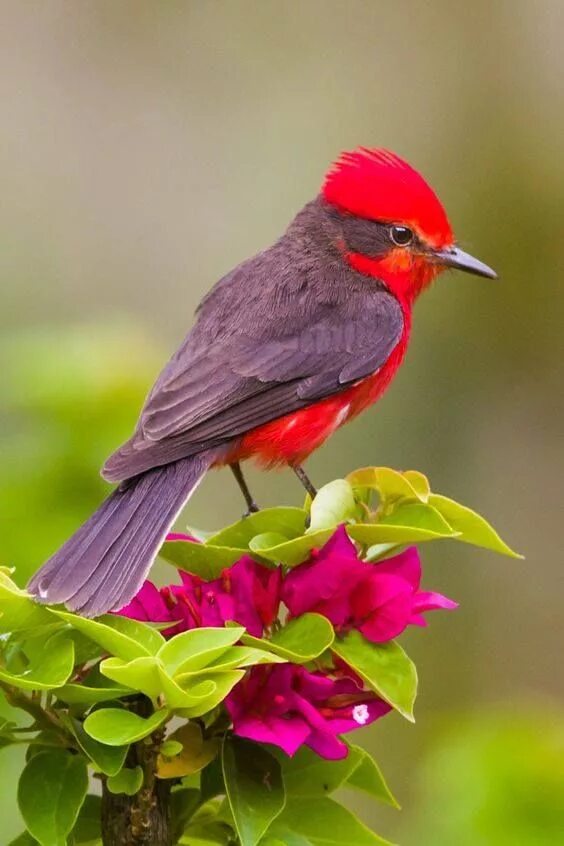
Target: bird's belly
[[290, 439]]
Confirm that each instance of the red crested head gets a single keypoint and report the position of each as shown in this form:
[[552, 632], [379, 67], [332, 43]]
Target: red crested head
[[379, 185]]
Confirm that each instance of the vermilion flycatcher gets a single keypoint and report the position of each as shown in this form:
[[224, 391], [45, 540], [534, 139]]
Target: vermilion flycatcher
[[286, 348]]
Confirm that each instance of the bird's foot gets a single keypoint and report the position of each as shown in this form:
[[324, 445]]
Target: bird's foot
[[252, 509]]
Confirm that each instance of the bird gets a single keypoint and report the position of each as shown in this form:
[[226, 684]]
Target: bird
[[286, 348]]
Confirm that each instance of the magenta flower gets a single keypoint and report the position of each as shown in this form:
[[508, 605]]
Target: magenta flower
[[288, 706], [247, 593], [379, 600]]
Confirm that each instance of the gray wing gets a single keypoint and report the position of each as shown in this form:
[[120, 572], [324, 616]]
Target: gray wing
[[211, 393]]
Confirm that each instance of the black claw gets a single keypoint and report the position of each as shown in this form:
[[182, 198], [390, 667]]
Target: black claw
[[252, 509]]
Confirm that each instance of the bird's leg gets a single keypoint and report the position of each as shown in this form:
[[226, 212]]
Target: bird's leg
[[252, 507], [304, 479]]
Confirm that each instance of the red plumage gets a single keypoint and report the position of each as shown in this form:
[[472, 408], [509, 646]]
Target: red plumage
[[379, 185]]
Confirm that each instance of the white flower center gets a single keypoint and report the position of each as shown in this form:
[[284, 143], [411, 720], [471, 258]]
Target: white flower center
[[360, 714]]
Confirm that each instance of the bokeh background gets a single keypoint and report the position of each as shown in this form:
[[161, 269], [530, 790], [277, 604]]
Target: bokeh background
[[148, 147]]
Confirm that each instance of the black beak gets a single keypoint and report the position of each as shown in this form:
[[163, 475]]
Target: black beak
[[454, 257]]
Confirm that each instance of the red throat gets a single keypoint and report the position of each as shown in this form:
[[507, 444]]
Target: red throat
[[404, 275]]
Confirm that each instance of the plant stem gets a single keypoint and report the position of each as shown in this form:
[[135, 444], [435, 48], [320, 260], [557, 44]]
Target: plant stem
[[142, 819]]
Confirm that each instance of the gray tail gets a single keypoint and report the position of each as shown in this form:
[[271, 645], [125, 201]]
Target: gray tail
[[103, 565]]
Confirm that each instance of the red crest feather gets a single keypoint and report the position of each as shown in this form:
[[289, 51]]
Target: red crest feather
[[379, 185]]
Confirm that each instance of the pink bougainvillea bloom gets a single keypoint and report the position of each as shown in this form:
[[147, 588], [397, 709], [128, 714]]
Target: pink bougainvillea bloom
[[288, 706], [379, 600], [149, 606], [247, 593]]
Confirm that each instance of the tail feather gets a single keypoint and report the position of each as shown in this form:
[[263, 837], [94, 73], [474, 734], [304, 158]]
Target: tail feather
[[102, 566]]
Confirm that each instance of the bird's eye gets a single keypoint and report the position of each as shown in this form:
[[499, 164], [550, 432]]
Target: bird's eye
[[401, 235]]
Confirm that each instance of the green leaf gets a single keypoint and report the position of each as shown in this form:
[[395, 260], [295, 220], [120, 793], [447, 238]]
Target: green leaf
[[419, 482], [110, 635], [255, 792], [170, 748], [18, 611], [25, 839], [266, 541], [87, 831], [178, 696], [301, 640], [117, 727], [333, 505], [128, 781], [286, 521], [295, 551], [183, 803], [51, 791], [49, 668], [384, 667], [322, 823], [141, 674], [234, 657], [472, 528], [83, 694], [391, 485], [197, 648], [367, 776], [107, 759], [306, 774], [149, 636], [223, 685], [408, 523], [205, 561]]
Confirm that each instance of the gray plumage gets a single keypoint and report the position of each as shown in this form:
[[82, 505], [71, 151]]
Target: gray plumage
[[286, 328]]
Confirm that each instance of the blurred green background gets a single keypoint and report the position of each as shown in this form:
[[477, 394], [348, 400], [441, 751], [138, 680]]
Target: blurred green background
[[145, 149]]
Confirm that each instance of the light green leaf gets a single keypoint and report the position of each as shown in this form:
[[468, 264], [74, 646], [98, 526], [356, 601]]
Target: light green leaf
[[178, 696], [266, 541], [391, 485], [49, 668], [295, 551], [128, 781], [384, 667], [117, 727], [149, 636], [106, 632], [286, 521], [171, 748], [51, 791], [419, 482], [471, 526], [223, 684], [141, 674], [205, 561], [367, 776], [255, 791], [322, 823], [18, 611], [107, 759], [308, 775], [235, 656], [81, 694], [195, 649], [379, 550], [408, 523], [300, 641], [333, 505]]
